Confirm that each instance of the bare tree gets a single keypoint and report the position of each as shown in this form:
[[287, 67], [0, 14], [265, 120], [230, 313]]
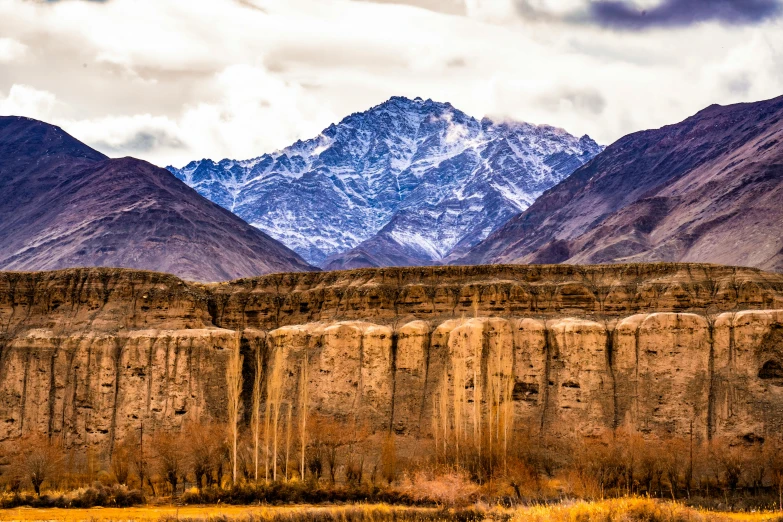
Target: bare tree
[[303, 405], [234, 391], [328, 436], [288, 438], [675, 463], [170, 457], [121, 459], [245, 459], [774, 457], [256, 417], [38, 459], [389, 459], [272, 413], [729, 461], [139, 456], [205, 444]]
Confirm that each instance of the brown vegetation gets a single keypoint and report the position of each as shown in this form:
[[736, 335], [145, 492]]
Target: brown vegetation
[[616, 464], [36, 459]]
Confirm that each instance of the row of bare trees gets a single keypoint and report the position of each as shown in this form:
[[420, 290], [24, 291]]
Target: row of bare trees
[[203, 455], [614, 464], [197, 454], [619, 463]]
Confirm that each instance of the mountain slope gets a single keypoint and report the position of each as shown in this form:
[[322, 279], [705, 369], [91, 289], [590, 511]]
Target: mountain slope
[[406, 182], [707, 189], [65, 204]]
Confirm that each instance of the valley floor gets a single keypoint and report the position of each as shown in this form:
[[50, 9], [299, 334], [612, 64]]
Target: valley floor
[[625, 509]]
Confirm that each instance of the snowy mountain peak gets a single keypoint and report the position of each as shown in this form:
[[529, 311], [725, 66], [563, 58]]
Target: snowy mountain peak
[[403, 163]]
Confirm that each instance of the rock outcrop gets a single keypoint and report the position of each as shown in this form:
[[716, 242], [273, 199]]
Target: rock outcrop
[[437, 354]]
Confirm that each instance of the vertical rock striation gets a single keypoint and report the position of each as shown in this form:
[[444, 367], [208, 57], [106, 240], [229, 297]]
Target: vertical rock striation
[[87, 356]]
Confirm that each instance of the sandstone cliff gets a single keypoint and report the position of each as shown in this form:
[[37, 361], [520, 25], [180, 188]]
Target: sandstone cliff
[[432, 354]]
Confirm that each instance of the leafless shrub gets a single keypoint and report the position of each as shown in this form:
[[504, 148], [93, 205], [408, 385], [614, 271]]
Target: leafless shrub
[[206, 446], [38, 459], [171, 459]]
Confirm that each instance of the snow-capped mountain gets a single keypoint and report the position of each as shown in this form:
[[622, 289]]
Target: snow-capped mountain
[[406, 182]]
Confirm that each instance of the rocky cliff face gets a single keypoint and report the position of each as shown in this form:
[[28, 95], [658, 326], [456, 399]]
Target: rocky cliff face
[[431, 354]]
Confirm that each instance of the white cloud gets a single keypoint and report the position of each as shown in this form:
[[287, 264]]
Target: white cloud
[[252, 112], [185, 79], [23, 100], [11, 50]]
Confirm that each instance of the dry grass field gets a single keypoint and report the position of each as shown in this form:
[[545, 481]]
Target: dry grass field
[[370, 512], [620, 510]]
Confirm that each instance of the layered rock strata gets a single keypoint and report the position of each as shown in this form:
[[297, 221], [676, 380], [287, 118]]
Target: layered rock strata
[[437, 356]]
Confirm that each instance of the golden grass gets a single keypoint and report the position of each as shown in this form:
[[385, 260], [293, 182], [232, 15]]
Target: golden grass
[[632, 509], [619, 510], [262, 513]]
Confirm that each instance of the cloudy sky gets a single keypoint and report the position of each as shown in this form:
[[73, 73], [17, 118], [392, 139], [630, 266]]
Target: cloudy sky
[[175, 80]]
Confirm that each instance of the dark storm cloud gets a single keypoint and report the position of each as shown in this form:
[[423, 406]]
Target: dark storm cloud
[[142, 141], [739, 85], [622, 14], [679, 13], [586, 101]]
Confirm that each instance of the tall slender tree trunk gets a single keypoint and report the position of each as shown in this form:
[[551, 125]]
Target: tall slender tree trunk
[[256, 412], [303, 414], [234, 391]]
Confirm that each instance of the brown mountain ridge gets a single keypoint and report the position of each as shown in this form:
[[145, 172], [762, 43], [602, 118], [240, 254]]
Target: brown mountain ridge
[[708, 189], [67, 205]]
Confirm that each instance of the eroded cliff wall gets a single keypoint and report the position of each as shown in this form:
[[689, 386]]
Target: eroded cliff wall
[[434, 355]]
